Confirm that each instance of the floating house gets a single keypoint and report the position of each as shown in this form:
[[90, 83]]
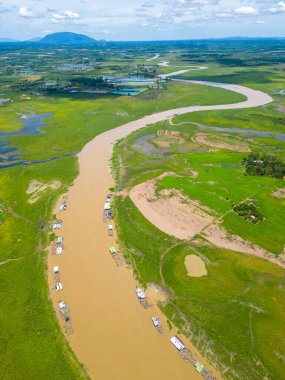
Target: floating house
[[59, 250], [140, 294], [177, 343], [62, 305], [107, 206], [112, 250], [59, 240], [199, 367], [58, 286]]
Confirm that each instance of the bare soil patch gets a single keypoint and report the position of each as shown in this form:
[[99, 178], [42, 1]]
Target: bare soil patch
[[166, 138], [156, 293], [170, 211], [225, 142], [36, 188], [220, 238], [280, 193], [195, 266], [32, 78]]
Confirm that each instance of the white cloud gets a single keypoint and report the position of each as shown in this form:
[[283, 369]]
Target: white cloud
[[246, 11], [260, 22], [280, 7], [25, 12], [64, 16]]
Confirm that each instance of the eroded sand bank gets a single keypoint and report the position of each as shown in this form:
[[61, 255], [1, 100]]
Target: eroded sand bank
[[113, 335]]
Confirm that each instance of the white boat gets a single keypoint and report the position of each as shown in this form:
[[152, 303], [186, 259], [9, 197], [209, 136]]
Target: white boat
[[59, 250], [157, 324], [55, 270], [155, 321]]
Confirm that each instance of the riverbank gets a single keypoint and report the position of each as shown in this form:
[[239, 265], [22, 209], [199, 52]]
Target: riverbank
[[113, 335]]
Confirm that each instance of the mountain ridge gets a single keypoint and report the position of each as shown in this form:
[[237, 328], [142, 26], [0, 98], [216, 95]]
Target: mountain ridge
[[66, 38]]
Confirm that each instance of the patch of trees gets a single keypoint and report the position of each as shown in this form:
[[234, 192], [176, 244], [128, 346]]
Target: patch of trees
[[248, 211], [264, 165]]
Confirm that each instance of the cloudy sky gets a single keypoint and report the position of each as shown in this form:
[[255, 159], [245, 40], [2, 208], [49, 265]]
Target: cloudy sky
[[143, 19]]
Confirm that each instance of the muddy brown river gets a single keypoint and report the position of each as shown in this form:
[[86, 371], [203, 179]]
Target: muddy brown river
[[113, 335]]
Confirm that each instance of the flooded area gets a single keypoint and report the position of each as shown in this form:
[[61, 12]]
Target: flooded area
[[195, 266], [9, 155], [248, 132], [130, 85], [113, 335], [31, 125], [144, 146]]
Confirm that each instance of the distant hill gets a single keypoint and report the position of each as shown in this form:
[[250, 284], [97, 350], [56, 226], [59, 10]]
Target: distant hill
[[66, 38], [8, 40]]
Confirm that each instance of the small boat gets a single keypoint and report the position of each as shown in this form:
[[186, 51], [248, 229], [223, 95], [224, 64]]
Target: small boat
[[110, 229], [157, 324]]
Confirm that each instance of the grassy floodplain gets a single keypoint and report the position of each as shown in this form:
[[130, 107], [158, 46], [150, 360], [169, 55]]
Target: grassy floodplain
[[31, 343], [235, 314]]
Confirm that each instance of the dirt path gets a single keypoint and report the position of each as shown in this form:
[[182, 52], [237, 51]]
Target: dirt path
[[113, 335]]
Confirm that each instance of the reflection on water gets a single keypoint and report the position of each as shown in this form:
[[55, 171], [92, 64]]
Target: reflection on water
[[8, 154], [128, 91], [131, 85], [31, 125]]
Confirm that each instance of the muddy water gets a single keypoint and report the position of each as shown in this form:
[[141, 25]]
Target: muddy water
[[113, 335]]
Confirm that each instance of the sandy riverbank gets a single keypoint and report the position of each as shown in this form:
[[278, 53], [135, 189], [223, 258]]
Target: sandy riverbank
[[113, 335]]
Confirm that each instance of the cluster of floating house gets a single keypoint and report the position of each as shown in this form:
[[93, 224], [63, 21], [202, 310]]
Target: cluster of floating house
[[57, 249], [64, 310], [187, 355], [108, 216]]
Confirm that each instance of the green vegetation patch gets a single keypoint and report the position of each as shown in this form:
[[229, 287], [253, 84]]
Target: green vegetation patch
[[264, 165], [248, 211]]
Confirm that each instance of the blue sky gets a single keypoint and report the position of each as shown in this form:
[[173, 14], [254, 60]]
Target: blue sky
[[143, 19]]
